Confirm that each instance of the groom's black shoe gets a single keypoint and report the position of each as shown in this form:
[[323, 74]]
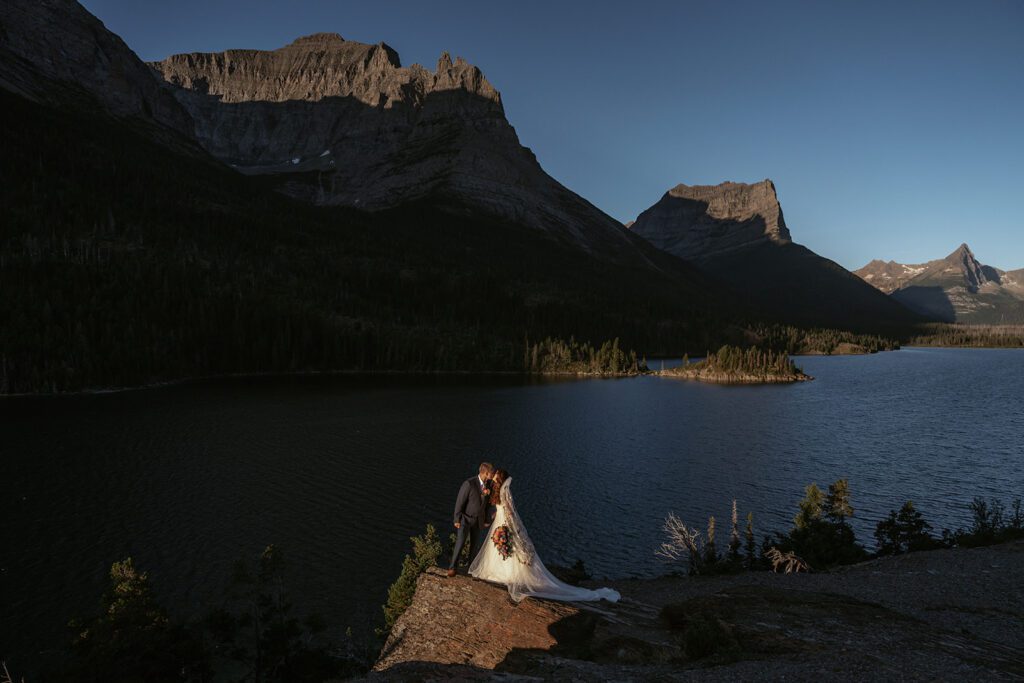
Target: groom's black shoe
[[451, 573]]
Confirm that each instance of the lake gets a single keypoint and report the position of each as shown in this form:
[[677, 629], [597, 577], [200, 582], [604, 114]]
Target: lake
[[338, 472]]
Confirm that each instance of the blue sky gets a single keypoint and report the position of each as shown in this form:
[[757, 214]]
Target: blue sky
[[891, 129]]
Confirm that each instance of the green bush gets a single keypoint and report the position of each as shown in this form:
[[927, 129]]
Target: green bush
[[904, 531], [426, 550], [990, 523]]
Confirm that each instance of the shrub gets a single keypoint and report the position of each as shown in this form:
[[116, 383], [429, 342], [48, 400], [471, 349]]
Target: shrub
[[701, 553], [990, 524], [426, 550], [904, 531]]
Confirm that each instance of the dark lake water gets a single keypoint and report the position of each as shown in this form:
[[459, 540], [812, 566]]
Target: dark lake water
[[339, 472]]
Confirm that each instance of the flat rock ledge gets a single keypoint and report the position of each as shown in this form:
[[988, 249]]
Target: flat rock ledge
[[939, 615]]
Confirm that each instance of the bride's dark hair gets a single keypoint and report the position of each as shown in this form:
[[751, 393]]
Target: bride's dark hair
[[497, 480]]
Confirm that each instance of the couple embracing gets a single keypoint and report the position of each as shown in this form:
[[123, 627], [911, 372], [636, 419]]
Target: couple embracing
[[485, 513]]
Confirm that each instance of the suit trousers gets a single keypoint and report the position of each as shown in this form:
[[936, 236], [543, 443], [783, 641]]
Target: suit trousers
[[467, 531]]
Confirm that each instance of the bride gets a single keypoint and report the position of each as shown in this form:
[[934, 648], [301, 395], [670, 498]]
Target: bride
[[508, 556]]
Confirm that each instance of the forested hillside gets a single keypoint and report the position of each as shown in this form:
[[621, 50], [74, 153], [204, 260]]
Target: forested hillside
[[123, 263]]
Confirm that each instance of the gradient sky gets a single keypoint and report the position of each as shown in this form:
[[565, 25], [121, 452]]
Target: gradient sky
[[891, 129]]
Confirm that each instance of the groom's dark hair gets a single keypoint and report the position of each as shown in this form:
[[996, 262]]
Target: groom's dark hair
[[486, 468]]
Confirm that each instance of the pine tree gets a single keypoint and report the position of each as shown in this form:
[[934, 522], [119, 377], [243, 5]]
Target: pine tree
[[710, 552], [810, 507], [837, 504]]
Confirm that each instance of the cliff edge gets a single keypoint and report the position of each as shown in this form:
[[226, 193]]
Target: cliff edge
[[938, 615]]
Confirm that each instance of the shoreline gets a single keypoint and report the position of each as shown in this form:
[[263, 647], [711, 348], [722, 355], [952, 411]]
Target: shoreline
[[325, 373], [466, 373], [726, 378]]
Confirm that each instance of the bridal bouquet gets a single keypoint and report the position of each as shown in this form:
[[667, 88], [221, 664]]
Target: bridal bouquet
[[502, 540]]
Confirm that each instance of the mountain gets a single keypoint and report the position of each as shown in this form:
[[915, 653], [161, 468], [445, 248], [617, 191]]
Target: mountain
[[55, 52], [339, 122], [130, 255], [736, 232], [958, 288]]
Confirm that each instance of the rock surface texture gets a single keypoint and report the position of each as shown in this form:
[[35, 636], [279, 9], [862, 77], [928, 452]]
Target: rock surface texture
[[737, 233], [701, 221], [958, 288], [939, 615], [57, 53], [349, 125]]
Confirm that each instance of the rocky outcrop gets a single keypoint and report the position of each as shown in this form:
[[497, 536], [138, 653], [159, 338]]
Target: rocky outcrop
[[944, 614], [57, 53], [342, 122], [737, 233], [701, 221], [957, 288]]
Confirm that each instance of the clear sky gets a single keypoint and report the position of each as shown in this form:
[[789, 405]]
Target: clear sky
[[891, 129]]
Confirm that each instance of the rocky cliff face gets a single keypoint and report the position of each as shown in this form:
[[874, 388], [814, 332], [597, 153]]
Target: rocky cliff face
[[344, 123], [701, 221], [957, 288], [929, 615], [737, 232], [55, 52]]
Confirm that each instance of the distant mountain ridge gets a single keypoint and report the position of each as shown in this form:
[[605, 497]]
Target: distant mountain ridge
[[737, 233], [344, 123], [957, 288]]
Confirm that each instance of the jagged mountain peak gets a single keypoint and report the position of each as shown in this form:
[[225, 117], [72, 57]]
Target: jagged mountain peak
[[962, 250], [700, 221], [342, 122], [736, 232], [963, 262], [957, 287], [318, 66]]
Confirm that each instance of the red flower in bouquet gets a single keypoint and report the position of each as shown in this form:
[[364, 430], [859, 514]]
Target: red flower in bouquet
[[502, 540]]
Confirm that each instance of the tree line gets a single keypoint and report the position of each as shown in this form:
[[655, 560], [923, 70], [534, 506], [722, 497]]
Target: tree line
[[751, 361], [555, 356]]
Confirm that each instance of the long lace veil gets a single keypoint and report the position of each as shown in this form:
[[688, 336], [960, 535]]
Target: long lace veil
[[521, 543]]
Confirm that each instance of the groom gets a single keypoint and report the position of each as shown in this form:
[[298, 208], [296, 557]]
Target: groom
[[471, 513]]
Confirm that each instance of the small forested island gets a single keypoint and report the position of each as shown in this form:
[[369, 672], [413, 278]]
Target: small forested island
[[733, 365], [560, 357]]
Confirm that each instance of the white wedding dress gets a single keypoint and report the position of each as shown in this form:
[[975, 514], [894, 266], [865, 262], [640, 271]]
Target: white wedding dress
[[523, 572]]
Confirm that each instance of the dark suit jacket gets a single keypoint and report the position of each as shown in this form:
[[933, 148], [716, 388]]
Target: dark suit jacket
[[471, 507]]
